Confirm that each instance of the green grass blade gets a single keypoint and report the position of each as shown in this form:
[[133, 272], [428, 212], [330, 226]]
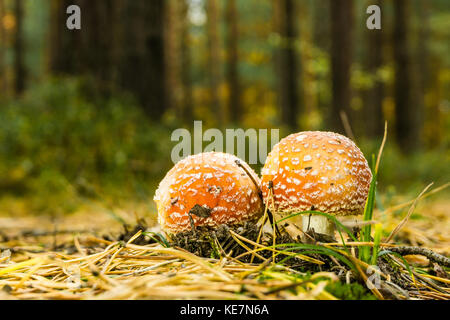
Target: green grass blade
[[364, 252], [316, 249], [368, 214], [376, 243], [157, 237]]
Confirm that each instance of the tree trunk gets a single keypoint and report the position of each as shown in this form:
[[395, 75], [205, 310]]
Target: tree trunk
[[142, 69], [55, 53], [186, 65], [128, 53], [214, 60], [341, 58], [234, 101], [322, 40], [94, 45], [62, 42], [373, 107], [407, 113], [427, 77], [19, 59], [287, 62], [321, 31], [3, 81], [172, 56], [307, 75]]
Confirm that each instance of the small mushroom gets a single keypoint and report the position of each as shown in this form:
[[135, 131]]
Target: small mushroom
[[210, 190], [316, 170]]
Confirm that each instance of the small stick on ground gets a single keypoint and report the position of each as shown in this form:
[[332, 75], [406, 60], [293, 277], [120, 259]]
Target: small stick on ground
[[436, 257]]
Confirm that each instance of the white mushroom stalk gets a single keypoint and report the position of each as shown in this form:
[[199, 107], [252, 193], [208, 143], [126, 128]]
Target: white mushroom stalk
[[318, 223]]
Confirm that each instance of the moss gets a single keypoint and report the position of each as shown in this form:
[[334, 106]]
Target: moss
[[352, 291]]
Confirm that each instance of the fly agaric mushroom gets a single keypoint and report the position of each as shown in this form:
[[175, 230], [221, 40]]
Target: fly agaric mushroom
[[208, 190], [316, 170]]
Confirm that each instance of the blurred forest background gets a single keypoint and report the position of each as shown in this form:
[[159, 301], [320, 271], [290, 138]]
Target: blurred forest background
[[86, 115]]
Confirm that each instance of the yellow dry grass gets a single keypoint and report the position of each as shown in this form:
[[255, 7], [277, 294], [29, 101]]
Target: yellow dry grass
[[83, 265]]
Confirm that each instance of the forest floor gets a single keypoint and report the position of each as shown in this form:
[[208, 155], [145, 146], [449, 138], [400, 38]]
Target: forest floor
[[88, 255]]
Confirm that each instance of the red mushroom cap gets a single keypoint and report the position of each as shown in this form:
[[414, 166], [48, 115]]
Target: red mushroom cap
[[316, 170], [210, 186]]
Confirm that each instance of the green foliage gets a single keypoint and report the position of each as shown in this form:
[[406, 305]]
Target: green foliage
[[59, 142], [343, 291], [352, 291], [409, 173]]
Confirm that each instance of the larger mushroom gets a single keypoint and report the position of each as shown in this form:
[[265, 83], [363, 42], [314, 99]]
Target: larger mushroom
[[316, 170], [208, 190]]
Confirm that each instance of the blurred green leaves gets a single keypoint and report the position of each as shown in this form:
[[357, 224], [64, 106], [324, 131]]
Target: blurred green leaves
[[57, 135]]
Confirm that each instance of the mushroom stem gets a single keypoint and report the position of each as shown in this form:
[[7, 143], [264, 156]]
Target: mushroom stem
[[320, 224]]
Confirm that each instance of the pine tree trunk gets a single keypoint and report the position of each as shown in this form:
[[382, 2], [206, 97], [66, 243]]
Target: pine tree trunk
[[95, 43], [341, 58], [55, 39], [287, 62], [62, 42], [373, 107], [322, 40], [426, 77], [172, 56], [186, 65], [19, 49], [407, 112], [142, 69], [90, 51], [3, 80], [214, 60], [307, 76], [321, 25], [120, 44], [234, 101]]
